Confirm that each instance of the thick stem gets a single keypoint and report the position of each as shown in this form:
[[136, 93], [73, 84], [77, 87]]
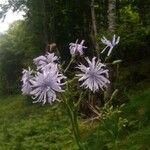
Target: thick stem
[[76, 129], [74, 122]]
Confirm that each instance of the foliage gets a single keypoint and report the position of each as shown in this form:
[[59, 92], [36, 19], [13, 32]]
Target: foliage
[[27, 126], [109, 129], [51, 20], [16, 51], [24, 125]]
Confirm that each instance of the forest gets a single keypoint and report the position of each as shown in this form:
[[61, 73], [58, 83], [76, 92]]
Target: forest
[[75, 75]]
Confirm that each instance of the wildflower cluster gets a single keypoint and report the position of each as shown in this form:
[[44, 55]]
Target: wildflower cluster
[[47, 80], [44, 83]]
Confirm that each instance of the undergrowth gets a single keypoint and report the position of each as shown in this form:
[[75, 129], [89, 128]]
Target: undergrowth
[[25, 126]]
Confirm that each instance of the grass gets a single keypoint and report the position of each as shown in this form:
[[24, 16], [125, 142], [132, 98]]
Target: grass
[[138, 140], [138, 113], [25, 126]]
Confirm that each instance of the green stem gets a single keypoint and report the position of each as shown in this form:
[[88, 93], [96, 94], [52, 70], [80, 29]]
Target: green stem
[[82, 94], [74, 122], [117, 74], [76, 129], [106, 59], [116, 145], [72, 59]]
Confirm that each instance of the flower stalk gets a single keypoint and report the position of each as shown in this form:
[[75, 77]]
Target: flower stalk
[[72, 114], [71, 61], [48, 80]]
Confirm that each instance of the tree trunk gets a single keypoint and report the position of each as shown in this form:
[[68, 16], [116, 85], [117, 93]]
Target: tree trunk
[[94, 28], [105, 7], [45, 32], [111, 28], [111, 15], [118, 11], [142, 12]]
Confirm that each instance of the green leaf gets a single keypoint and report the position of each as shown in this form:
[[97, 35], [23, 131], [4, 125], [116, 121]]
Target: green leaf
[[117, 62]]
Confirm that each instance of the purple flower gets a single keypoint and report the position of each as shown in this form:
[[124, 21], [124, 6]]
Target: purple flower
[[26, 77], [94, 76], [45, 85], [110, 44], [44, 61], [77, 48]]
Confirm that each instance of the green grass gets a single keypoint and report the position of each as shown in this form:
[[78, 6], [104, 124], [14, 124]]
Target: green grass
[[138, 140], [136, 134], [139, 107], [25, 126]]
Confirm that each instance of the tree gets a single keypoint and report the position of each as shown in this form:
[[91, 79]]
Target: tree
[[16, 52], [94, 28], [111, 15]]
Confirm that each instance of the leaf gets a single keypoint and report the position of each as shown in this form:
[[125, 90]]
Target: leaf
[[117, 62]]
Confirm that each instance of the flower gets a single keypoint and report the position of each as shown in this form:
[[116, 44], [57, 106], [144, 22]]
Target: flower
[[42, 61], [51, 58], [110, 44], [45, 85], [94, 76], [49, 67], [27, 76], [39, 60], [77, 48]]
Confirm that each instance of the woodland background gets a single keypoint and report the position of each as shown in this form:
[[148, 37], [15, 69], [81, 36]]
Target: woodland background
[[28, 126]]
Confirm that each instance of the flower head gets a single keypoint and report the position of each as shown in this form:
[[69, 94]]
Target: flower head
[[27, 76], [45, 85], [77, 48], [94, 76], [110, 44], [42, 61]]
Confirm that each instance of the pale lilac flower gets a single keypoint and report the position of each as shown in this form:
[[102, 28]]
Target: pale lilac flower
[[45, 85], [77, 48], [50, 66], [26, 77], [51, 57], [43, 61], [94, 76], [39, 60], [110, 44]]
